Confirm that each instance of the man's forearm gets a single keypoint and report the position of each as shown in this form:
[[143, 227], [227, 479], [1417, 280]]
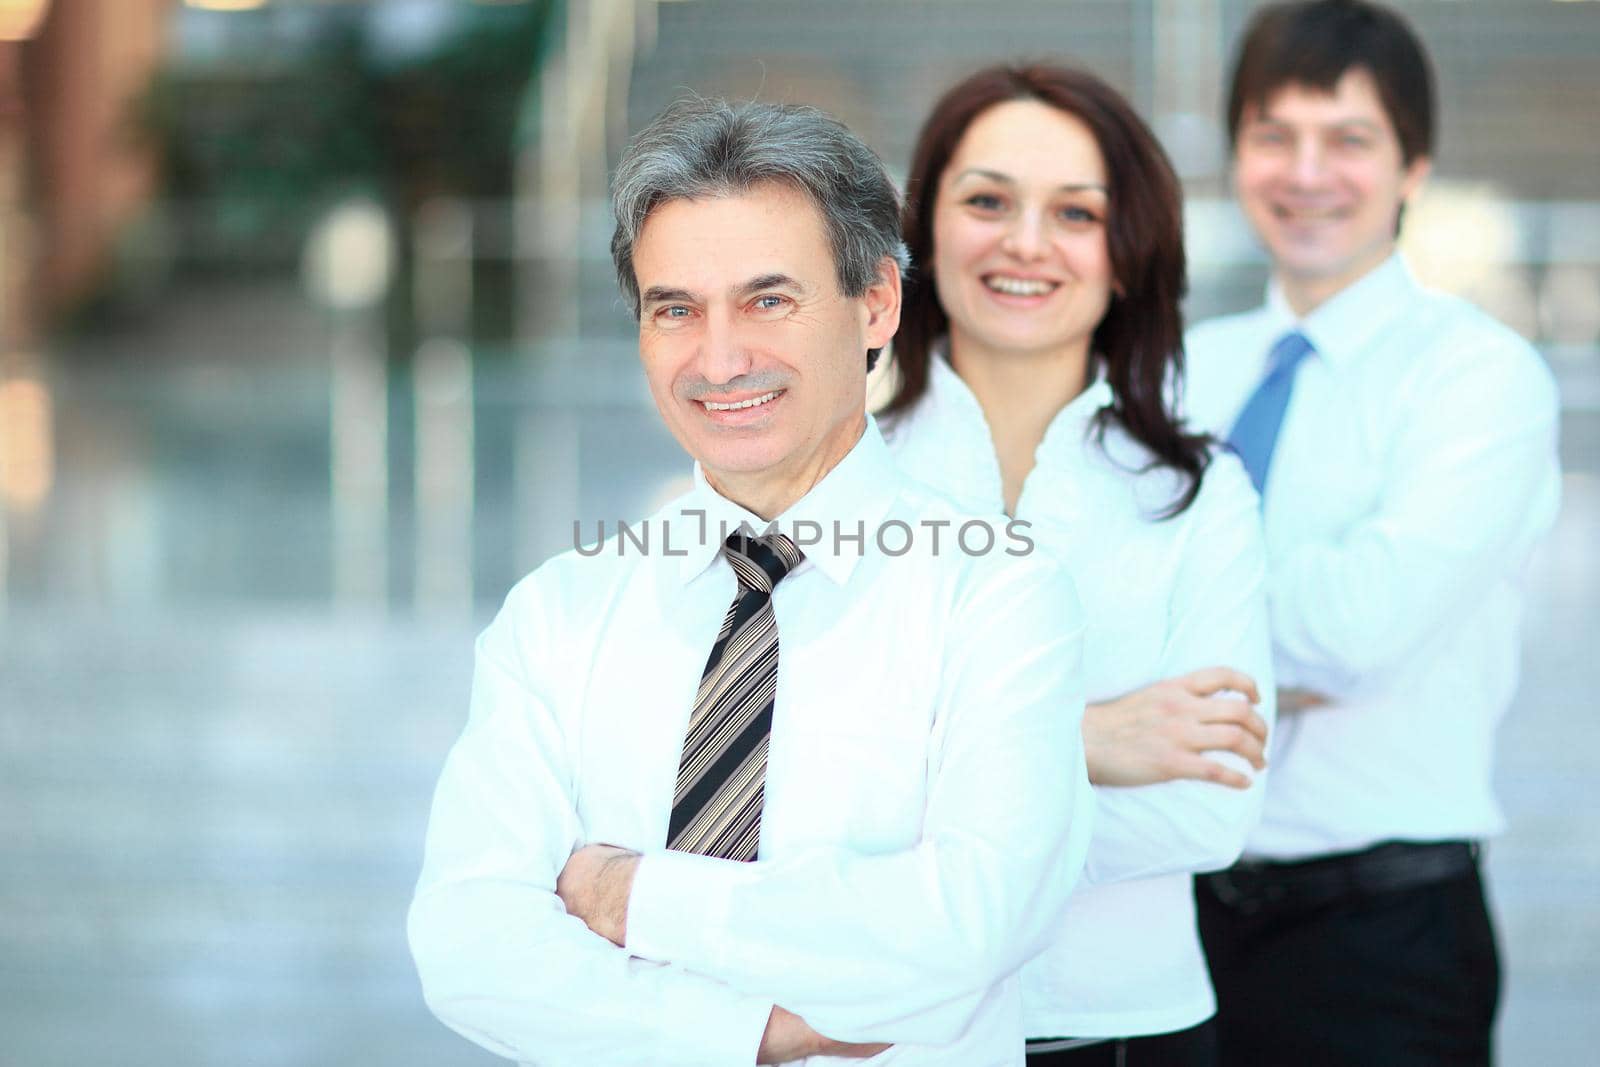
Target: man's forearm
[[899, 947], [595, 886]]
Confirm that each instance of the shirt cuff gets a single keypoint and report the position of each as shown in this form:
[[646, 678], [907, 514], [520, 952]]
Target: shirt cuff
[[723, 1034], [678, 909]]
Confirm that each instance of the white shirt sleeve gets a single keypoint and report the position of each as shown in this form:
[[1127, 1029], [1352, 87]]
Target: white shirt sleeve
[[500, 959], [1473, 481], [902, 947], [1218, 617]]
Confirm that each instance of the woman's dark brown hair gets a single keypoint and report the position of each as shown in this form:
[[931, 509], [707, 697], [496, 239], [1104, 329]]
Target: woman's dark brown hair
[[1138, 346]]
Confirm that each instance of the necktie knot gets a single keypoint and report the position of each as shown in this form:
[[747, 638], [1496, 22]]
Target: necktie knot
[[1286, 355], [760, 563]]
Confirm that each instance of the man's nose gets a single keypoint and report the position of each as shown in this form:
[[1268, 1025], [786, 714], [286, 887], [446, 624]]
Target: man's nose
[[723, 355], [1310, 162]]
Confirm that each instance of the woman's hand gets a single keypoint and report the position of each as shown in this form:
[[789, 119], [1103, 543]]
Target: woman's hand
[[1161, 732]]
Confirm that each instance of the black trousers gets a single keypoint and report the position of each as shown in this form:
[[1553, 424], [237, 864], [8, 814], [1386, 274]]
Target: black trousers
[[1403, 978], [1195, 1047]]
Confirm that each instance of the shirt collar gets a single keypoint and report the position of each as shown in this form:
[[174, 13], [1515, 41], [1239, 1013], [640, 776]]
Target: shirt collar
[[1063, 437], [1343, 326], [947, 390], [856, 492]]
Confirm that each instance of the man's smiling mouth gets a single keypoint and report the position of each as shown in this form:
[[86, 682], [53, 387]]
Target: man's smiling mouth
[[739, 405]]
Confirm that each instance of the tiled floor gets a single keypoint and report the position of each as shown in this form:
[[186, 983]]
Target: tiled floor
[[211, 825]]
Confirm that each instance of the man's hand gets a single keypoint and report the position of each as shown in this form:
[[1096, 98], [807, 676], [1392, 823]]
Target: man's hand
[[595, 885], [1157, 734], [788, 1038], [1299, 699]]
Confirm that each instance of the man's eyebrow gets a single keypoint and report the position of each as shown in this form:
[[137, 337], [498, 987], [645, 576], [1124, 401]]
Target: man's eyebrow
[[1365, 123], [658, 294], [1006, 179], [775, 280]]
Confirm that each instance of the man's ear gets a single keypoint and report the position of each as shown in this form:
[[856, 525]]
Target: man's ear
[[882, 302], [1416, 174]]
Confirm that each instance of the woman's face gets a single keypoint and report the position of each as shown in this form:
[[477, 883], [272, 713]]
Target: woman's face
[[1019, 233]]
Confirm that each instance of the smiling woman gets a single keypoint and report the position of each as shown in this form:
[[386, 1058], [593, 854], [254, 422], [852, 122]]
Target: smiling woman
[[1040, 187], [1020, 256], [1035, 356]]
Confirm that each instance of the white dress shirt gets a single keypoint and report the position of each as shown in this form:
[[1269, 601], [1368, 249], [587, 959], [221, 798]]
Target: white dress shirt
[[926, 814], [1162, 598], [1415, 469]]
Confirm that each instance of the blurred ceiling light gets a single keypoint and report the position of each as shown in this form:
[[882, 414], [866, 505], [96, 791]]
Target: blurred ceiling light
[[225, 5], [349, 257], [20, 18], [27, 461]]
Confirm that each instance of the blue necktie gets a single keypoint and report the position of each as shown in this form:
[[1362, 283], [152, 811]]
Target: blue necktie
[[1255, 434]]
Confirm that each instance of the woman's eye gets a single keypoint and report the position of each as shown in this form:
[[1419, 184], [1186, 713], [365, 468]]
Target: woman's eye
[[1078, 214], [984, 202]]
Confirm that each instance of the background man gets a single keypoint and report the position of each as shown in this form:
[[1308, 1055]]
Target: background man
[[905, 773], [1405, 447]]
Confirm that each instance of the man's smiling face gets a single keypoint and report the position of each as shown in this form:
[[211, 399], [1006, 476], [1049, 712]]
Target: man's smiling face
[[1321, 178], [755, 358]]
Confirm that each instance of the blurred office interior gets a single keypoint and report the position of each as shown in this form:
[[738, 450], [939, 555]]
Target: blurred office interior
[[310, 346]]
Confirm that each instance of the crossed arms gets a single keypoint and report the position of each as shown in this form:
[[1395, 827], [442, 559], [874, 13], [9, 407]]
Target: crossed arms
[[900, 946]]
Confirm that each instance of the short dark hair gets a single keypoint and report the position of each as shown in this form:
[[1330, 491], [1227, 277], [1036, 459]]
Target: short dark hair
[[1315, 43], [1138, 345], [707, 148]]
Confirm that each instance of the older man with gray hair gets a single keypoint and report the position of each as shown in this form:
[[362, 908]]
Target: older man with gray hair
[[797, 776]]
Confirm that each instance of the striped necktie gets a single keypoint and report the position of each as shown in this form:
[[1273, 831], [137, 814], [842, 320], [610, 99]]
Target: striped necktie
[[1255, 433], [716, 808]]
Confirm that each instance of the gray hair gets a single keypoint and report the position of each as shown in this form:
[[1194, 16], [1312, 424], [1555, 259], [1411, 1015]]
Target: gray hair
[[710, 148]]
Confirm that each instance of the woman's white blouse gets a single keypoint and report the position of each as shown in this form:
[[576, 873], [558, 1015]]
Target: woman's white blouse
[[1162, 598]]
